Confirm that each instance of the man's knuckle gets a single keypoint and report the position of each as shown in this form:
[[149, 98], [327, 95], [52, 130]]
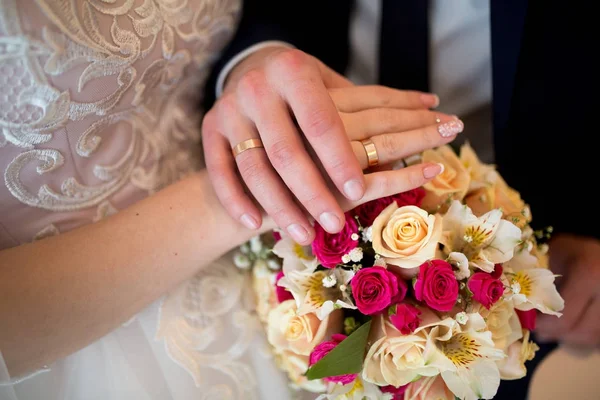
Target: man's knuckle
[[281, 154], [292, 60], [320, 122], [252, 85]]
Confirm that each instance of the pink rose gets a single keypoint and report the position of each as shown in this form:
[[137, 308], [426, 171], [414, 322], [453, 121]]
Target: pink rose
[[282, 293], [486, 288], [322, 349], [367, 212], [436, 285], [276, 236], [329, 248], [527, 319], [406, 318], [396, 392], [373, 289], [402, 289]]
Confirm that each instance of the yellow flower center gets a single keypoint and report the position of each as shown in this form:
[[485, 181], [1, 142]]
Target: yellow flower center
[[357, 387], [317, 293], [524, 282], [476, 236], [300, 253], [461, 350]]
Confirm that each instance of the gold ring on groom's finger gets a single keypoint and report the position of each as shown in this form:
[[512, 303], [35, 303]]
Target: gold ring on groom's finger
[[246, 145], [371, 151]]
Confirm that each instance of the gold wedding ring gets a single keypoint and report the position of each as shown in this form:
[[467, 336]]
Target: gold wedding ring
[[246, 145], [371, 151]]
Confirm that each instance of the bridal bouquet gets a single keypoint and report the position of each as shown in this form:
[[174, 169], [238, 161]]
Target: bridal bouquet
[[428, 294]]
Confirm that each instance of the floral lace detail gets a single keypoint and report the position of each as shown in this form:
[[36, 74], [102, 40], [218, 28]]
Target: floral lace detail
[[196, 319], [32, 109], [97, 105]]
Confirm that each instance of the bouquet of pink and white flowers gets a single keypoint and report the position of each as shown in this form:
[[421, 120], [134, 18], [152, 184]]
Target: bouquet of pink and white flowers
[[431, 293]]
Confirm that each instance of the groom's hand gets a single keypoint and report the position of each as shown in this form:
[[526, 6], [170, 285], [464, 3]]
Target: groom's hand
[[577, 260], [281, 96]]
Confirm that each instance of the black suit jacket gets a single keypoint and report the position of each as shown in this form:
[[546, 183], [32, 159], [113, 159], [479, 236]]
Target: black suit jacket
[[541, 85]]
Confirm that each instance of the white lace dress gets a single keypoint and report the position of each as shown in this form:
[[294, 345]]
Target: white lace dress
[[96, 99]]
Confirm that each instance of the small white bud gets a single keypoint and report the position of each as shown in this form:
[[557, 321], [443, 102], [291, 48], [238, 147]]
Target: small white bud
[[354, 236], [273, 265], [256, 245], [245, 249], [343, 288], [515, 287], [367, 234], [346, 258], [356, 254], [462, 318], [329, 281], [241, 261]]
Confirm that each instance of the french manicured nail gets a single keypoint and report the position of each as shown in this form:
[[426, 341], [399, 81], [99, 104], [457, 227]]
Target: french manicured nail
[[354, 190], [451, 128], [433, 170], [330, 222], [430, 100], [249, 221], [298, 233]]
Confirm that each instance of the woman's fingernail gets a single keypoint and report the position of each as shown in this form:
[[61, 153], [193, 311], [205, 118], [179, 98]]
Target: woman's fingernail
[[330, 222], [249, 221], [430, 100], [451, 128], [354, 190], [433, 170], [298, 233]]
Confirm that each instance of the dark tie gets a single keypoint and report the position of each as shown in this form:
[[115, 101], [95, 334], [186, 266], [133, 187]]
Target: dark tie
[[404, 44]]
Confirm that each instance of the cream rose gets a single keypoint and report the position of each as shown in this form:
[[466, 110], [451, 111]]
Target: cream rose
[[393, 358], [502, 321], [452, 184], [288, 331], [263, 283], [428, 389], [407, 236]]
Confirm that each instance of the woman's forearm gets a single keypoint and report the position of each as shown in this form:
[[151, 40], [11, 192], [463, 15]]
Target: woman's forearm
[[61, 293]]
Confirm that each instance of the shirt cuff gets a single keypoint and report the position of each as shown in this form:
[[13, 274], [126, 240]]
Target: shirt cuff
[[239, 57]]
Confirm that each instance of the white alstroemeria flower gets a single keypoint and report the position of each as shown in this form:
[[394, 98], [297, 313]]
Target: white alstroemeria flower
[[467, 360], [359, 389], [295, 257], [312, 295], [460, 261], [485, 240], [534, 288]]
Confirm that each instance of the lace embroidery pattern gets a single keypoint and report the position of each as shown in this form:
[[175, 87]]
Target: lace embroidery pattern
[[197, 317], [32, 110], [155, 54]]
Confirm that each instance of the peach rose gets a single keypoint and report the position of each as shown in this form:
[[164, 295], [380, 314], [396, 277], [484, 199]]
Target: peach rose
[[499, 195], [428, 389], [451, 184], [288, 331], [406, 237]]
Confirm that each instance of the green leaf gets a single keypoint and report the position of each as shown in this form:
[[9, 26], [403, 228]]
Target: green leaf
[[346, 358]]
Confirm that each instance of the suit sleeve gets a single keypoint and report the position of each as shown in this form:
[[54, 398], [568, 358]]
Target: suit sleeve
[[319, 28]]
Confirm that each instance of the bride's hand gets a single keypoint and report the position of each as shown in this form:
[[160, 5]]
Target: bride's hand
[[397, 122]]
